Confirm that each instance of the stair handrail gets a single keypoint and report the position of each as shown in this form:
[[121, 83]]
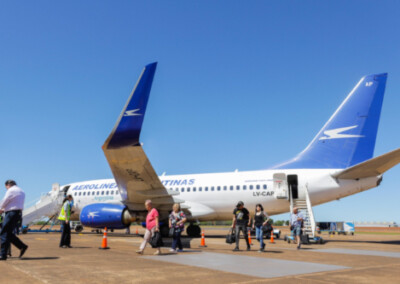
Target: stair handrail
[[310, 211]]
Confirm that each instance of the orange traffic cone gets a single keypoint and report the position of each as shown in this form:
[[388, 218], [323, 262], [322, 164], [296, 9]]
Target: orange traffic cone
[[104, 243], [137, 231], [249, 237], [272, 238], [203, 241]]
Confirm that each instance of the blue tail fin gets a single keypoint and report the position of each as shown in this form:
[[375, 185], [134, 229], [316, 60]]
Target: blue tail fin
[[126, 131], [349, 136]]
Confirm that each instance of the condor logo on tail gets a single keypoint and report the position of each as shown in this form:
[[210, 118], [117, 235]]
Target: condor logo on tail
[[336, 133]]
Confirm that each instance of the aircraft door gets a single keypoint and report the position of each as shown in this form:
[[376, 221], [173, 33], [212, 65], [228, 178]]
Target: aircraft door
[[293, 186], [280, 186]]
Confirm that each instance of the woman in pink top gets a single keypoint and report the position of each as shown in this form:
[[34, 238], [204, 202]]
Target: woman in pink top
[[152, 226]]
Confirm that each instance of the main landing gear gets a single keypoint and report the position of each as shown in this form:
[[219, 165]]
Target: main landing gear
[[193, 230]]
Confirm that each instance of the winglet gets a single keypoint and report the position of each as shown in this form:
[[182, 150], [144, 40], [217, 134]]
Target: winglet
[[126, 131]]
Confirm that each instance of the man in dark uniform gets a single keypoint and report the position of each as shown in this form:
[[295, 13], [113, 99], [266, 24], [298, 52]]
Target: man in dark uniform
[[12, 205], [241, 220]]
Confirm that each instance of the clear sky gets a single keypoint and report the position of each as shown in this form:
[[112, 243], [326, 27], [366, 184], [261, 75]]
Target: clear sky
[[239, 85]]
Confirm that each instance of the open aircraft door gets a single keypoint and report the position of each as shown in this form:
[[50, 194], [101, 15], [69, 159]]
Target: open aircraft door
[[280, 186]]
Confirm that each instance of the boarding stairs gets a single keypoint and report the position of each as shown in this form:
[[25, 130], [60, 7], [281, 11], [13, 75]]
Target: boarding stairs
[[48, 205], [304, 205]]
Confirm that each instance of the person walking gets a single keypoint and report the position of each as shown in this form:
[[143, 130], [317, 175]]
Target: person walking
[[296, 222], [177, 221], [260, 220], [152, 226], [64, 217], [12, 205], [241, 220]]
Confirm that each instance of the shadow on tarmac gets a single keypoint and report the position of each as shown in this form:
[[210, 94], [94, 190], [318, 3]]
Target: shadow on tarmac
[[40, 258], [392, 242]]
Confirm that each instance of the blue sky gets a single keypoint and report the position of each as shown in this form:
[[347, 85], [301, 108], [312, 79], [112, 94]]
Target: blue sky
[[239, 85]]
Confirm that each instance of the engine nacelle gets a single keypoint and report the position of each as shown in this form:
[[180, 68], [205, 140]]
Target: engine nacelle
[[100, 215]]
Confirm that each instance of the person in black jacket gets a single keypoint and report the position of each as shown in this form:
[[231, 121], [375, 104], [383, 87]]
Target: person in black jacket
[[241, 220]]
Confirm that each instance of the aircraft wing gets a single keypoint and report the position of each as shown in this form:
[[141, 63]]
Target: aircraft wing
[[373, 167], [132, 170]]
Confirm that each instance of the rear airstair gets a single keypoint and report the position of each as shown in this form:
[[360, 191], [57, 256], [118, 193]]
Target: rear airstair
[[305, 207], [48, 206]]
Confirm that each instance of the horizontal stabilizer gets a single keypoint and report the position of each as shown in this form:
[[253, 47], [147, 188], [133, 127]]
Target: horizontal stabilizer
[[372, 167]]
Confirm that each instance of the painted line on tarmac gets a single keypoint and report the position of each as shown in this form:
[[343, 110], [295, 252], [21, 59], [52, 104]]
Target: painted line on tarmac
[[247, 265], [359, 252]]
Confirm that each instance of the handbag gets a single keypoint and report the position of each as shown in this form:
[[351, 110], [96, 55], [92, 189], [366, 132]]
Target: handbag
[[171, 232], [267, 228], [230, 238], [156, 240]]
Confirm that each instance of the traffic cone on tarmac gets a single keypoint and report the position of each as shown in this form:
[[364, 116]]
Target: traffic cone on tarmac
[[137, 231], [272, 238], [104, 242], [249, 237], [203, 241]]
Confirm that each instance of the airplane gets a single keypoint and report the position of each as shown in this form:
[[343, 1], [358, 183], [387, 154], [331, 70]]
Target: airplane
[[337, 163]]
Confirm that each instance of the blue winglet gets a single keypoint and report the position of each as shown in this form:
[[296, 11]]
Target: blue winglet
[[126, 131], [348, 138]]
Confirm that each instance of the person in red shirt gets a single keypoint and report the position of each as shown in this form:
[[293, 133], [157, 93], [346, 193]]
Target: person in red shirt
[[152, 226]]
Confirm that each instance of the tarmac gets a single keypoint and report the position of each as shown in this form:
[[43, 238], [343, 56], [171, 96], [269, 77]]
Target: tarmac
[[362, 258]]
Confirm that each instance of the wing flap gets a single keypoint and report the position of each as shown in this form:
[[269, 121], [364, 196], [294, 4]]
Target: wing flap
[[373, 167]]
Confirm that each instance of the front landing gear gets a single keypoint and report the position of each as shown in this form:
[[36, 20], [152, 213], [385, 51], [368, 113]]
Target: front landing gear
[[193, 230]]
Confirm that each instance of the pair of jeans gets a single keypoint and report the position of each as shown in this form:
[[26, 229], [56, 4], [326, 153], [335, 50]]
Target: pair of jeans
[[66, 234], [242, 228], [7, 235], [259, 236], [176, 239]]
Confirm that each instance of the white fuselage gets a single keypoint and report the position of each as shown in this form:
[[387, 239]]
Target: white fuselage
[[214, 196]]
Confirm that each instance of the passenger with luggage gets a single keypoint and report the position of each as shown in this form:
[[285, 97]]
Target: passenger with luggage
[[177, 221], [152, 226], [296, 222], [241, 220], [260, 221]]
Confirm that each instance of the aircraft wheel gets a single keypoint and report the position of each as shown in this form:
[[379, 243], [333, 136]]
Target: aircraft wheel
[[78, 228], [193, 231]]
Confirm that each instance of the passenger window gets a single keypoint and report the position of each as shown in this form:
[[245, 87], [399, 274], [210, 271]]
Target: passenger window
[[238, 187], [102, 193], [258, 186], [212, 188], [98, 193], [206, 189], [264, 186], [80, 193], [251, 187], [225, 187], [107, 192], [244, 187], [74, 193], [177, 189], [188, 189], [194, 189], [218, 188], [84, 193], [200, 188], [112, 192], [182, 189], [231, 187]]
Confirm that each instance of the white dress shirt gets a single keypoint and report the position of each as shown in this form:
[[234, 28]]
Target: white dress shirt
[[13, 200]]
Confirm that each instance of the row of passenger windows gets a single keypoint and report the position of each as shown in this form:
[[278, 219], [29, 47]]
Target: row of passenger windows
[[219, 188], [112, 192]]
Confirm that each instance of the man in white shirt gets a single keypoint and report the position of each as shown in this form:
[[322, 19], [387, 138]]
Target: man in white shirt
[[12, 204], [296, 220]]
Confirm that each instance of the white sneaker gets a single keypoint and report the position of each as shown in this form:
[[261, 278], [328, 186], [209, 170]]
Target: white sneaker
[[157, 252], [172, 250], [139, 252]]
